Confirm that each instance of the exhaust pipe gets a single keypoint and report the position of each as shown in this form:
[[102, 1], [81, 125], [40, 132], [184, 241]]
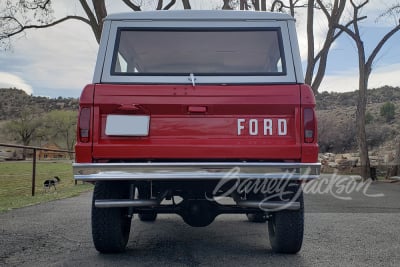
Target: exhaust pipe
[[123, 203], [271, 205]]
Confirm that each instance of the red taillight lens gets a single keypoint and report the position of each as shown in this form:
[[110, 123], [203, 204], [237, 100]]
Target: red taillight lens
[[84, 125], [309, 125]]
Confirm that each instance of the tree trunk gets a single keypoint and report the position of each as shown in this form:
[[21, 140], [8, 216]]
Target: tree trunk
[[159, 5], [310, 42], [397, 160], [101, 12], [227, 5], [360, 120], [243, 5], [186, 4], [394, 169], [292, 7], [264, 5], [320, 60], [256, 5]]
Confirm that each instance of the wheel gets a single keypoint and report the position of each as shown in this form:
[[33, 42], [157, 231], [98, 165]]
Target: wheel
[[144, 193], [257, 217], [285, 229], [110, 226]]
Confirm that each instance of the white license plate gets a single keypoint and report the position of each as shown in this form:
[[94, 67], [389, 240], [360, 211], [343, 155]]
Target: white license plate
[[127, 125]]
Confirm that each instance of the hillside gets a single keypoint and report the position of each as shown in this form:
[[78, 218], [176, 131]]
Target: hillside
[[337, 125], [12, 101], [329, 101]]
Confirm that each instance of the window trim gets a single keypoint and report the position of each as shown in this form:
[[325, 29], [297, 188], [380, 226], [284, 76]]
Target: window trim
[[277, 30]]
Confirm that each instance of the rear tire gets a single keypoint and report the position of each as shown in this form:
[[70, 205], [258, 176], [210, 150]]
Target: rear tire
[[286, 229], [110, 226]]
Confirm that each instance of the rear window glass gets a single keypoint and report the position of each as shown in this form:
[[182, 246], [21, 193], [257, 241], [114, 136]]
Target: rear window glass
[[201, 52]]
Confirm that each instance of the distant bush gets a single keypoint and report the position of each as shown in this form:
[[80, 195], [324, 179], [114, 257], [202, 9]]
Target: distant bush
[[378, 133], [388, 111], [337, 136], [369, 118]]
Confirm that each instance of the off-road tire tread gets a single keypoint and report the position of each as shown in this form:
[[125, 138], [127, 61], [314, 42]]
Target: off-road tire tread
[[110, 227], [289, 229]]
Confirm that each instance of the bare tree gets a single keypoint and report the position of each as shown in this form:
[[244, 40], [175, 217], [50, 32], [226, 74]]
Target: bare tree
[[394, 170], [61, 124], [365, 68], [333, 11], [23, 129], [292, 5], [316, 63], [18, 16]]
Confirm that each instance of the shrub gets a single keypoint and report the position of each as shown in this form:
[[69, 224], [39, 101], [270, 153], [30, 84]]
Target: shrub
[[388, 111], [369, 118]]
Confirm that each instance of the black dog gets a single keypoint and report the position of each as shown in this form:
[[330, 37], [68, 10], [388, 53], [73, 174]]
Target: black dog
[[51, 183]]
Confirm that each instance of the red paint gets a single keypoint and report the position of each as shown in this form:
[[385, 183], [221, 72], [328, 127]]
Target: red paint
[[201, 122]]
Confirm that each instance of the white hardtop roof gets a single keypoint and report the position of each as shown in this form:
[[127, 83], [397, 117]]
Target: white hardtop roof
[[198, 15]]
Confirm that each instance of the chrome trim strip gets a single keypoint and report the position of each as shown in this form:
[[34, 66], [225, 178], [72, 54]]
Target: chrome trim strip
[[195, 171]]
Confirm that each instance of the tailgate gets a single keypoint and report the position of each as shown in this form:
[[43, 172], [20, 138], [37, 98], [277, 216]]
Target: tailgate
[[240, 122]]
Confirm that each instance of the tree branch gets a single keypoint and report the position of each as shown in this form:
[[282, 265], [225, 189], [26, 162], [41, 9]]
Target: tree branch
[[337, 34], [281, 6], [170, 4], [25, 27], [186, 4], [347, 25], [38, 5], [390, 11], [88, 12], [375, 52], [159, 5], [132, 5], [94, 24], [100, 10], [356, 8], [323, 8], [348, 31]]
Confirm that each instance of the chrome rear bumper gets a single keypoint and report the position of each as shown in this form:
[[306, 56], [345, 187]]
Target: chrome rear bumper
[[189, 171]]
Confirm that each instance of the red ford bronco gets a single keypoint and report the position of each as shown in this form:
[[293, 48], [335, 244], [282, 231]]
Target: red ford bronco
[[197, 113]]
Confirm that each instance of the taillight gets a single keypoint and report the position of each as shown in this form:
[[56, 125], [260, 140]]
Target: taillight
[[309, 125], [84, 125]]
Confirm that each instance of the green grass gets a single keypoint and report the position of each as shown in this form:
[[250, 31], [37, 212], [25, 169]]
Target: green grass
[[16, 183]]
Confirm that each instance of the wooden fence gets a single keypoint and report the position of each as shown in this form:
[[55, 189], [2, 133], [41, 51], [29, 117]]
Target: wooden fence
[[35, 149]]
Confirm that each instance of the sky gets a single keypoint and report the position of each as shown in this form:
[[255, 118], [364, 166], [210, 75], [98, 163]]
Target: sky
[[59, 61]]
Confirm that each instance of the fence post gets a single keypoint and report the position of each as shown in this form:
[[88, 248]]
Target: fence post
[[33, 172]]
